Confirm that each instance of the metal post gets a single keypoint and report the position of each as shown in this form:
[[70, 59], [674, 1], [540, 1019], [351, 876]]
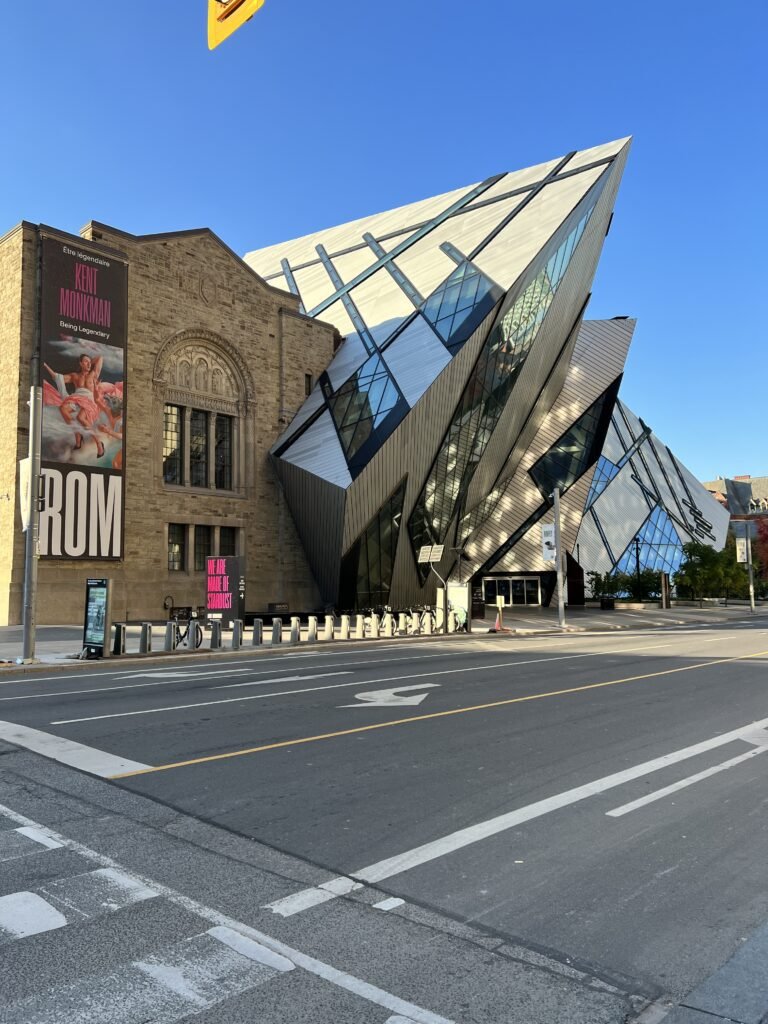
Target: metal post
[[559, 560], [749, 569], [145, 640], [258, 632], [32, 549], [637, 566]]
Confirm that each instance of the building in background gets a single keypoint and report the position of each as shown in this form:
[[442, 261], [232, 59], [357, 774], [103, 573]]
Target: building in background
[[745, 497], [468, 387], [155, 453]]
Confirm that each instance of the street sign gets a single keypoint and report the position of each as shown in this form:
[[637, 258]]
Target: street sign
[[548, 542], [431, 553], [96, 628]]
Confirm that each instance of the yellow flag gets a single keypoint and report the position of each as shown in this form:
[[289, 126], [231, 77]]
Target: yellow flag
[[226, 16]]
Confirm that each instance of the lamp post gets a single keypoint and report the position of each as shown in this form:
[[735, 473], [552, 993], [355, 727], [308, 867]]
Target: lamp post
[[637, 565]]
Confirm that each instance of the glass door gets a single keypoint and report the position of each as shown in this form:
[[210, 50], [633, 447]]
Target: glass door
[[532, 593]]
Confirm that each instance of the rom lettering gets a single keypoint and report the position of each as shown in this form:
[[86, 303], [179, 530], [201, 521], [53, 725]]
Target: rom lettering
[[82, 514]]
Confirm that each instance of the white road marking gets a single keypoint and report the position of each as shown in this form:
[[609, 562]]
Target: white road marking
[[341, 979], [23, 842], [391, 698], [39, 836], [485, 829], [389, 904], [281, 679], [76, 755], [659, 794], [189, 673], [188, 977], [315, 896], [253, 950], [335, 686], [26, 913]]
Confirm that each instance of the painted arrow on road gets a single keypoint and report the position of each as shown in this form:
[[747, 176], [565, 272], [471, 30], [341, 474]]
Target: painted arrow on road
[[390, 698]]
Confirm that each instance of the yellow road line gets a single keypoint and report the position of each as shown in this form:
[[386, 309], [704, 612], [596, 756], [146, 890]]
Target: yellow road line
[[424, 718]]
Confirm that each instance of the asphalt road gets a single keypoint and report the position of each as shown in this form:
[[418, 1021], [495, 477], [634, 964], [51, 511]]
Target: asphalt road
[[600, 798]]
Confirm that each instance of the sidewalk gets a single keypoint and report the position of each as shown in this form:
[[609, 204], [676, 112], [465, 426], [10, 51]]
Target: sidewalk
[[61, 645]]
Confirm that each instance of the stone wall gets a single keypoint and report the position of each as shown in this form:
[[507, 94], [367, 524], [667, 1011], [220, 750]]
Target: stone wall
[[204, 331]]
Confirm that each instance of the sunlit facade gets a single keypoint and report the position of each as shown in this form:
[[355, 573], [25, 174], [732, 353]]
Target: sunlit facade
[[468, 388]]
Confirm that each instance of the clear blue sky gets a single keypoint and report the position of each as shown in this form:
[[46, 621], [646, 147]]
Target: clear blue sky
[[316, 113]]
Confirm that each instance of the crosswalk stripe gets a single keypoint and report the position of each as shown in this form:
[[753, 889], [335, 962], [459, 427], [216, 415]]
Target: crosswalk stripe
[[21, 842], [76, 898], [188, 977]]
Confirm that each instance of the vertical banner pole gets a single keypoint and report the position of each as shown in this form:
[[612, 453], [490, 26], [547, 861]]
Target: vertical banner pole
[[749, 568], [32, 548], [559, 560]]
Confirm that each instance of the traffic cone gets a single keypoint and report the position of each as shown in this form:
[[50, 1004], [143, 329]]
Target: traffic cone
[[497, 627]]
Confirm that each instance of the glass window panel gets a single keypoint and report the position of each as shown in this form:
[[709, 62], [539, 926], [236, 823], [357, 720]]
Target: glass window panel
[[198, 448], [224, 452], [173, 444], [203, 547], [228, 540], [177, 548], [489, 591]]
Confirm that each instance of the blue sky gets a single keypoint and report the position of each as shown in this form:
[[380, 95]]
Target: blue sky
[[316, 113]]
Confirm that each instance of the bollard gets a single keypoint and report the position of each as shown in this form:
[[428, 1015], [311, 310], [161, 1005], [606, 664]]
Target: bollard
[[359, 627], [451, 621], [312, 629], [145, 640], [415, 623], [277, 631], [170, 637], [402, 627], [258, 632], [375, 625], [237, 634], [344, 628], [118, 646], [215, 634], [388, 624], [428, 625], [329, 627], [295, 629]]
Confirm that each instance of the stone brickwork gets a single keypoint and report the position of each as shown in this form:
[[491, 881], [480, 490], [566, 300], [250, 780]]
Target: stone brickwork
[[205, 332]]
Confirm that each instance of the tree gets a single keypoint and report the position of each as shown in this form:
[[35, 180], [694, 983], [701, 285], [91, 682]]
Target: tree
[[701, 572]]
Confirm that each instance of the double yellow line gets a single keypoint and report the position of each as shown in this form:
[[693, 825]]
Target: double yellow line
[[425, 718]]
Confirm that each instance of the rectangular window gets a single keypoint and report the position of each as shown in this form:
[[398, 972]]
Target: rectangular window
[[224, 453], [177, 547], [228, 540], [173, 444], [308, 382], [202, 547], [198, 448]]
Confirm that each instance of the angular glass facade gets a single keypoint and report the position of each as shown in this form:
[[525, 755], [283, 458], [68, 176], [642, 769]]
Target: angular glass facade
[[366, 570], [573, 453], [362, 405], [460, 304], [496, 371], [660, 546], [605, 471]]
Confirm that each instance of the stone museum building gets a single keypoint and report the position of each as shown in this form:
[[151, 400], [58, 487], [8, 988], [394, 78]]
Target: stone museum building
[[217, 363], [329, 407]]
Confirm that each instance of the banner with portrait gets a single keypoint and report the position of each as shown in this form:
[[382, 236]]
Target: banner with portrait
[[83, 329]]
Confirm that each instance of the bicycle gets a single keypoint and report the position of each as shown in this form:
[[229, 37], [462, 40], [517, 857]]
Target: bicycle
[[182, 636]]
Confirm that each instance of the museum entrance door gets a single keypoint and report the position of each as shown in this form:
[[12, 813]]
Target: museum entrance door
[[514, 590]]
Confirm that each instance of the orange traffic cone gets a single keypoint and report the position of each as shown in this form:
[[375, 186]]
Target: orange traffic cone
[[497, 627]]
